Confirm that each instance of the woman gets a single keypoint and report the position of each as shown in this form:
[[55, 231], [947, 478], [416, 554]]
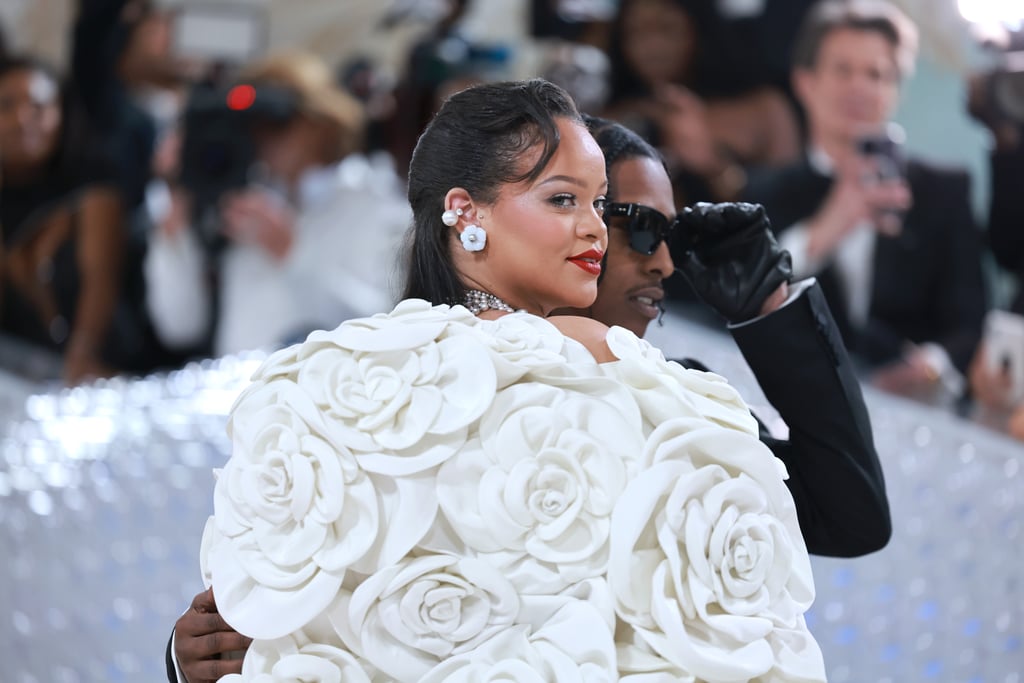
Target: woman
[[61, 224], [464, 492]]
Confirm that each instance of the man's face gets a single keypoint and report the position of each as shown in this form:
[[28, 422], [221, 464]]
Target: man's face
[[631, 292], [853, 87]]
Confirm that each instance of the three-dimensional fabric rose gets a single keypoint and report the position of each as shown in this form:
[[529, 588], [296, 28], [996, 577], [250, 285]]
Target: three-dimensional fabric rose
[[427, 496], [293, 659], [292, 510], [707, 561], [535, 492], [408, 618], [573, 646]]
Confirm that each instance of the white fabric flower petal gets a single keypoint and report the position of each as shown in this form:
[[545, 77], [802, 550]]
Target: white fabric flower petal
[[574, 646], [536, 491], [292, 659], [667, 391], [263, 600], [707, 561], [407, 618], [281, 363], [408, 508], [638, 663], [402, 410], [527, 345], [412, 323], [292, 510]]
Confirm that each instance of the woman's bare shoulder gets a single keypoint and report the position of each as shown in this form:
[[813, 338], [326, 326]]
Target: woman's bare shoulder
[[587, 331]]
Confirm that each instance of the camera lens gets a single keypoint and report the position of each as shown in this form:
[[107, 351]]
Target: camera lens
[[1008, 94]]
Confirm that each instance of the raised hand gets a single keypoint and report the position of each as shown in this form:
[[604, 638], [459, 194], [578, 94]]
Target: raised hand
[[729, 255]]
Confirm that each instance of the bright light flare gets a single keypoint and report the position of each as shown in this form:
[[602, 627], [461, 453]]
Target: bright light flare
[[1009, 13]]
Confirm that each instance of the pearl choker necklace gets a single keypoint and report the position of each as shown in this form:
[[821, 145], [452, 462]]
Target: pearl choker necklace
[[477, 301]]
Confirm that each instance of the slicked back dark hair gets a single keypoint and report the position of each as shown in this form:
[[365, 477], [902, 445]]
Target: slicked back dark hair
[[476, 141], [618, 143]]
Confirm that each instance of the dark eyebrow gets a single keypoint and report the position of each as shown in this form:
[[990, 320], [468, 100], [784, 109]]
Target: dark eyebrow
[[569, 179], [564, 178]]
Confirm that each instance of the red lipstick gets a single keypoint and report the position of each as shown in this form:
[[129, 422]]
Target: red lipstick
[[590, 261]]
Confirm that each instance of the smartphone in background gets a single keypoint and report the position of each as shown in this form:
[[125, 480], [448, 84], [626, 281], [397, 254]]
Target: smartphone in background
[[1004, 348], [885, 150], [226, 32]]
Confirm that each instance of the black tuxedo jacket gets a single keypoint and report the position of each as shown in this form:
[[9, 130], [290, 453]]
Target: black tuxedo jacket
[[798, 358], [1006, 216], [928, 284]]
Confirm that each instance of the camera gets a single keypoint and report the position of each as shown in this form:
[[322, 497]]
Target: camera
[[219, 149], [1002, 96], [1006, 88]]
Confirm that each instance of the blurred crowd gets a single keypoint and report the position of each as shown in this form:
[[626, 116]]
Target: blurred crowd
[[159, 204]]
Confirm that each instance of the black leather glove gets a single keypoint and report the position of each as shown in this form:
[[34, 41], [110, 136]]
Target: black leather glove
[[730, 257]]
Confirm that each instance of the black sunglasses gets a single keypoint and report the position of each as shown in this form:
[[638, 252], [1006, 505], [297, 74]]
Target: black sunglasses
[[647, 227]]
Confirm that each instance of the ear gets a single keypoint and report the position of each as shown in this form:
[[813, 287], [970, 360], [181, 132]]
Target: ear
[[803, 85], [459, 198]]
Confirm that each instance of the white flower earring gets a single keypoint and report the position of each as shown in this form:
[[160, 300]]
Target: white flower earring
[[473, 238], [451, 217]]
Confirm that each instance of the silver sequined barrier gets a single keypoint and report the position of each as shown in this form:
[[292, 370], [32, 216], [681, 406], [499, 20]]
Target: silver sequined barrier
[[104, 491]]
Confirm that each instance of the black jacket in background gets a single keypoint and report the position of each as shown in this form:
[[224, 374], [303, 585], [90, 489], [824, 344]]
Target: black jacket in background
[[1006, 216], [928, 284]]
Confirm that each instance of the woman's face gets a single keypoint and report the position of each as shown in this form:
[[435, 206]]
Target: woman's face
[[545, 238], [631, 291], [30, 118], [657, 40]]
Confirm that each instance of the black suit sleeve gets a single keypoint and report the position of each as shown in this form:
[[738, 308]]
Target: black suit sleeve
[[960, 302], [835, 476], [1006, 217], [172, 674], [1006, 212]]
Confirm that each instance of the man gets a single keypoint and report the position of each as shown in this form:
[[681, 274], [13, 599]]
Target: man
[[893, 245], [992, 387]]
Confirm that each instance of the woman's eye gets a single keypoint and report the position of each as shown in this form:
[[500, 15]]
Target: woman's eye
[[564, 200], [600, 203]]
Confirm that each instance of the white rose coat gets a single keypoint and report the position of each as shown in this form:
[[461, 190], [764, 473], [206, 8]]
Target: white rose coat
[[427, 496]]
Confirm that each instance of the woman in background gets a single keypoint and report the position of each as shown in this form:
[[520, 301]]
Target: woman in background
[[61, 221]]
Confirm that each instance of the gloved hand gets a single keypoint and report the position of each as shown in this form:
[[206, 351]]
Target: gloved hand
[[730, 257]]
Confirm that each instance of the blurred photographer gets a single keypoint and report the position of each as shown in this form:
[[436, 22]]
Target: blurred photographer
[[996, 100], [277, 225], [891, 239]]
